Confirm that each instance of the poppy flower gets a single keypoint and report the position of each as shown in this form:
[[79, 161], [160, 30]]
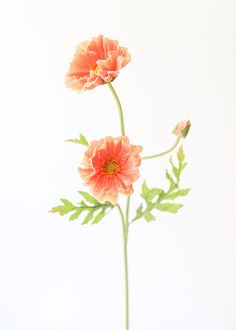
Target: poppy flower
[[110, 166], [96, 62]]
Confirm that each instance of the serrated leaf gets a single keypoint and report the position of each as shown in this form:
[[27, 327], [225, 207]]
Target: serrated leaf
[[174, 169], [149, 194], [91, 208], [89, 198], [99, 216], [83, 140], [182, 167], [145, 189], [173, 185], [176, 194], [67, 207], [149, 216], [139, 210], [75, 215], [154, 192], [68, 204], [88, 217], [168, 207], [139, 213], [59, 209]]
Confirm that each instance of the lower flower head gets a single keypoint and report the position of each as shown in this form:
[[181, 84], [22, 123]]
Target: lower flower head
[[182, 128], [96, 62], [110, 166]]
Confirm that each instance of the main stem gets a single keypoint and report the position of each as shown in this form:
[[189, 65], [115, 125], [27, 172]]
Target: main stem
[[126, 265], [124, 219]]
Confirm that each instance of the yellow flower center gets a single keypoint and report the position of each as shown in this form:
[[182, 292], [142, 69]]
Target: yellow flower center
[[111, 167], [94, 67]]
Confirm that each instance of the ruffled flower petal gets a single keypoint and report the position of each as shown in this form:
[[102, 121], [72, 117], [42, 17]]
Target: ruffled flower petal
[[110, 166], [96, 62]]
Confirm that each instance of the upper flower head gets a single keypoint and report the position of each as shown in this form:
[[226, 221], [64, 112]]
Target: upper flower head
[[96, 62], [110, 166], [182, 128]]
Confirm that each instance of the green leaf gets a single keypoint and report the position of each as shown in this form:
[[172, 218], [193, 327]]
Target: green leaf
[[99, 216], [88, 217], [145, 190], [65, 208], [82, 140], [140, 210], [182, 167], [75, 215], [149, 194], [173, 185], [168, 207], [68, 204], [157, 198], [89, 198], [75, 211], [174, 169], [148, 216], [139, 213], [180, 154], [178, 193]]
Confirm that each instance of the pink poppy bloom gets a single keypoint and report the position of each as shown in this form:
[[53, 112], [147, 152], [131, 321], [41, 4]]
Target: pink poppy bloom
[[96, 62], [110, 166], [182, 129]]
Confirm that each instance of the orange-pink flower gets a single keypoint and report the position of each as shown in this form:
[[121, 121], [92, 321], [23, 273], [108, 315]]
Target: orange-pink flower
[[182, 128], [96, 62], [110, 166]]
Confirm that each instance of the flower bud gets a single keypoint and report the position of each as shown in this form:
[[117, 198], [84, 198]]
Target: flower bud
[[182, 129]]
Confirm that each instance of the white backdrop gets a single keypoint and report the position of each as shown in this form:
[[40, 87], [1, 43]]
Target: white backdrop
[[59, 275]]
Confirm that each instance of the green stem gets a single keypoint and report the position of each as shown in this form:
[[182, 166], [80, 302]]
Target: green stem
[[164, 152], [127, 212], [125, 240], [122, 124], [125, 220]]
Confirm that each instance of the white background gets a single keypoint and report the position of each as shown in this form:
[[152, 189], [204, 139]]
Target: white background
[[59, 275]]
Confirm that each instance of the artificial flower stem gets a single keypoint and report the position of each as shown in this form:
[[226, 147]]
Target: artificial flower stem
[[127, 213], [126, 284], [125, 240], [164, 152], [122, 124], [124, 219]]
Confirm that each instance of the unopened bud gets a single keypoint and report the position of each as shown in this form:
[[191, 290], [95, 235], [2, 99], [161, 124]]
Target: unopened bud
[[182, 129]]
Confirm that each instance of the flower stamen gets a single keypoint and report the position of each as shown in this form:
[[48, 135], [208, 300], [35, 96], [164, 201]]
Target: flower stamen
[[94, 67], [111, 167]]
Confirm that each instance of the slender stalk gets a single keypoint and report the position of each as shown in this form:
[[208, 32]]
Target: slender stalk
[[122, 123], [125, 239], [126, 285], [124, 219], [126, 262], [127, 212], [164, 152]]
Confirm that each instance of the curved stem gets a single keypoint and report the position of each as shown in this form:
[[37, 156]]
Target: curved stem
[[125, 239], [164, 152], [122, 124]]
